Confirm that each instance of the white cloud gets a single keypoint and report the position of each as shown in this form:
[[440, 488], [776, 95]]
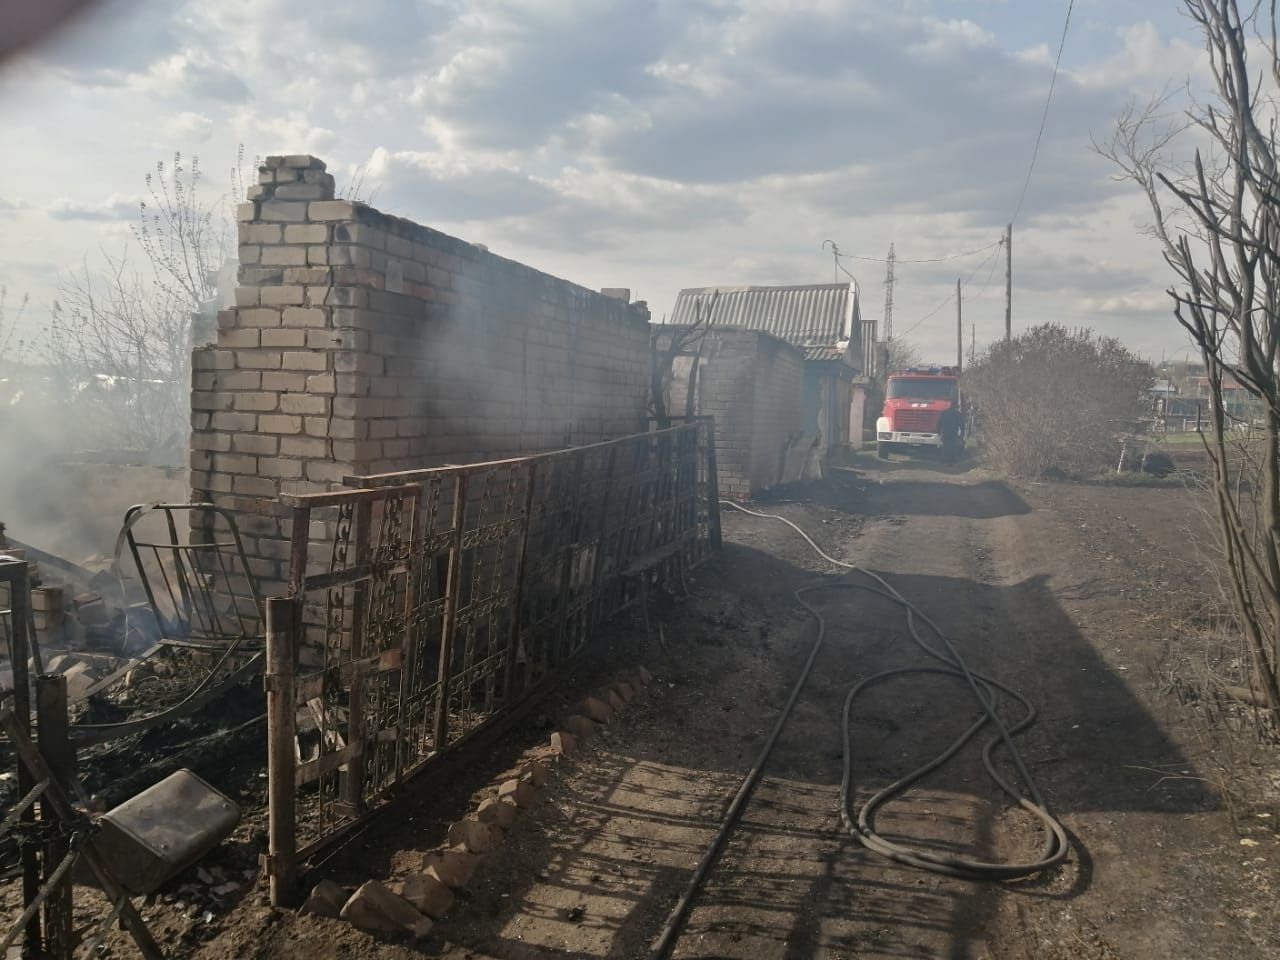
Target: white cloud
[[644, 143], [114, 207], [188, 127], [1146, 58]]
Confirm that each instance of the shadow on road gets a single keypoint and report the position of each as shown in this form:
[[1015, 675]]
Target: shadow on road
[[792, 883]]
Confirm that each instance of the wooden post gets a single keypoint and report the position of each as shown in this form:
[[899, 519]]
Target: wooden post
[[1008, 282], [59, 755], [282, 865], [959, 330]]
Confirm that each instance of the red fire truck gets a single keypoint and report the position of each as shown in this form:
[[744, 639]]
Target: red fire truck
[[922, 408]]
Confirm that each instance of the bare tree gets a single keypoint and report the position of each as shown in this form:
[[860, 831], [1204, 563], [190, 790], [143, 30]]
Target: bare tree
[[1217, 218], [902, 355], [184, 237], [669, 342], [13, 346], [121, 337], [121, 346]]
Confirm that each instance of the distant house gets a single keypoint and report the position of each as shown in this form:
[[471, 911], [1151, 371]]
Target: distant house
[[823, 320], [1236, 400]]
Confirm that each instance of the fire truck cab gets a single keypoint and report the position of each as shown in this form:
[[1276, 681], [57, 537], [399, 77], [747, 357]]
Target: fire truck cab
[[922, 408]]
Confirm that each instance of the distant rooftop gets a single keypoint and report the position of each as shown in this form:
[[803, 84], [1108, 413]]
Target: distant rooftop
[[810, 315]]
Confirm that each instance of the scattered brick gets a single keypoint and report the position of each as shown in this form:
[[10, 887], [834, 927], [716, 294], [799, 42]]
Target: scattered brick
[[498, 811], [452, 866], [535, 771], [520, 792], [563, 743], [427, 895], [597, 709], [375, 909], [326, 900], [472, 834], [580, 727]]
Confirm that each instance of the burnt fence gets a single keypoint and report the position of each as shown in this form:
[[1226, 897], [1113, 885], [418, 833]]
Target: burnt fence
[[427, 606]]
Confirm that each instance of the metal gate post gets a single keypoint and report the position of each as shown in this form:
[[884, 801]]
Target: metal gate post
[[282, 866]]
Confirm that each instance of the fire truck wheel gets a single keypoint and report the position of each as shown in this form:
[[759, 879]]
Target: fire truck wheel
[[882, 451]]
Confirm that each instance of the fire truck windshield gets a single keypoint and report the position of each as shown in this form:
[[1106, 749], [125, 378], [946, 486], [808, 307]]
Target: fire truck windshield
[[921, 388]]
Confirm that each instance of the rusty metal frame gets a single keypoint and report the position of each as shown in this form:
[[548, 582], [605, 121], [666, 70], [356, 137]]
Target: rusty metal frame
[[207, 585], [425, 607]]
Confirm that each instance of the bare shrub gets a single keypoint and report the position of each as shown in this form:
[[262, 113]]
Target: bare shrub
[[1055, 401], [13, 346]]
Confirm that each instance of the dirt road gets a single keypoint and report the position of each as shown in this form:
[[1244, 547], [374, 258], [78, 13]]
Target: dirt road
[[1064, 591]]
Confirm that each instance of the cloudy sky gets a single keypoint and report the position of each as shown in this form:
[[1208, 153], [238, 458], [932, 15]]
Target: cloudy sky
[[654, 144]]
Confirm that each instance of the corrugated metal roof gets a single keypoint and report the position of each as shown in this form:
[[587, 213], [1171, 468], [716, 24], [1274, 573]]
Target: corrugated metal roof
[[814, 314], [824, 352]]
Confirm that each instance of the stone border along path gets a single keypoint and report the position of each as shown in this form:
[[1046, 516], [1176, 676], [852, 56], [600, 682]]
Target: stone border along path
[[427, 896]]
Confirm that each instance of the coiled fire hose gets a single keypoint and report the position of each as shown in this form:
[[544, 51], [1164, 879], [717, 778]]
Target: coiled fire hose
[[862, 824]]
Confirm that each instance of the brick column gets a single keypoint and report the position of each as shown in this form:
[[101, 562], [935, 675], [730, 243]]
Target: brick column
[[262, 401]]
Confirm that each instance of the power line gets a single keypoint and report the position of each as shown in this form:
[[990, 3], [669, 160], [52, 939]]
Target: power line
[[953, 256], [1035, 151], [986, 283], [951, 296]]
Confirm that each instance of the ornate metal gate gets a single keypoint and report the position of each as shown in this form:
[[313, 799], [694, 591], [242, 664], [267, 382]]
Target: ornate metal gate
[[425, 606]]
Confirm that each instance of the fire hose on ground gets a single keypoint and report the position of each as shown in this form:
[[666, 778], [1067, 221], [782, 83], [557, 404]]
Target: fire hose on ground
[[861, 824]]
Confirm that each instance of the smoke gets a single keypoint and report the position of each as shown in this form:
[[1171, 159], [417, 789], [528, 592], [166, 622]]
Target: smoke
[[64, 486]]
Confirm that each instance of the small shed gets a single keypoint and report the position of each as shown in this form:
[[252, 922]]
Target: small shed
[[753, 384], [822, 320]]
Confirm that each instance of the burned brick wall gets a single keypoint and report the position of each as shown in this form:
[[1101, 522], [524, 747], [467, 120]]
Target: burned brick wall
[[753, 385], [364, 343]]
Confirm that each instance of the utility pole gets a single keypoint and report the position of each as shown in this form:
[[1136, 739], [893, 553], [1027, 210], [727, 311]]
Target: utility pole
[[959, 329], [973, 343], [1008, 282], [835, 260], [888, 296]]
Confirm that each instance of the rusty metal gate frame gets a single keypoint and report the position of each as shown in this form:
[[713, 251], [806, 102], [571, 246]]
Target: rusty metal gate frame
[[426, 606]]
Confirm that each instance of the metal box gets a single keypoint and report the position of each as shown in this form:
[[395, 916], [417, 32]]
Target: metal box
[[166, 828]]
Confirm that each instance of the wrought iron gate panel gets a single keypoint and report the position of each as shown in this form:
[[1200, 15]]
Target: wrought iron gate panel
[[428, 604]]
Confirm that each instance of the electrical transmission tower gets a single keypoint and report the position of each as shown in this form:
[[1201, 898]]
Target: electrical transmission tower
[[888, 296]]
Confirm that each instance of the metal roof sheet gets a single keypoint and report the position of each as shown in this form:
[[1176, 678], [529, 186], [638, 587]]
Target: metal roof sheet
[[814, 314], [824, 352]]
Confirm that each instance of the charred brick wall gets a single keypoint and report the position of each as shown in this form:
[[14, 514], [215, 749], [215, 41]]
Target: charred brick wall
[[752, 384], [364, 343]]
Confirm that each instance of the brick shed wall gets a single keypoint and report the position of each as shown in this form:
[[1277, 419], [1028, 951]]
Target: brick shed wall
[[753, 384], [778, 418], [364, 343]]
